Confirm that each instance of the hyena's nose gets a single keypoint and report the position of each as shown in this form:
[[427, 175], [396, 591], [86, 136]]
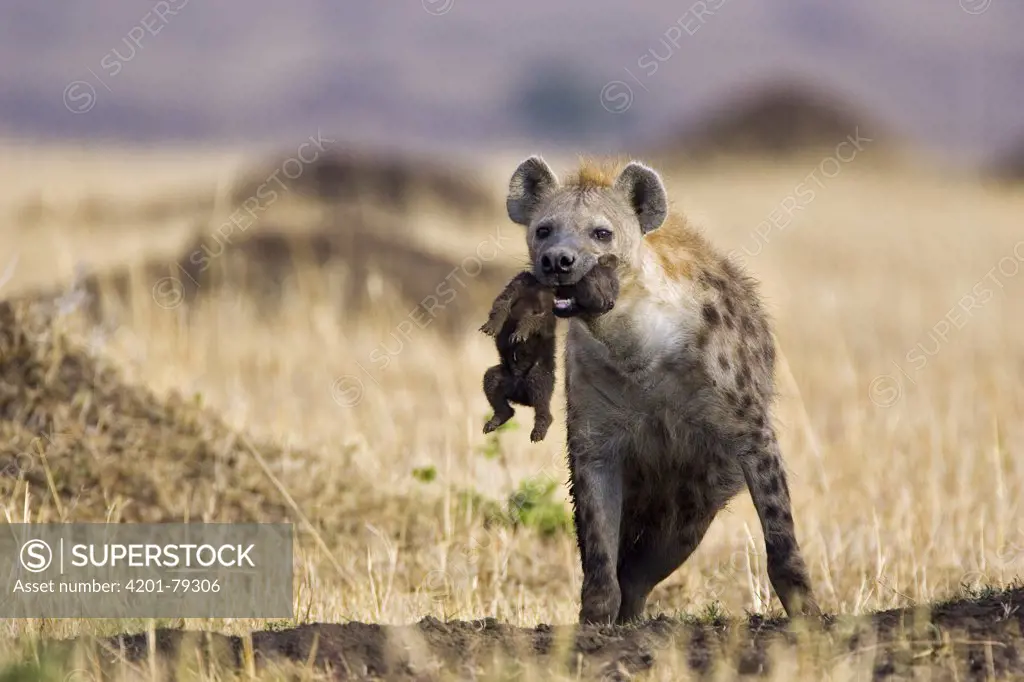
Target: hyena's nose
[[557, 261]]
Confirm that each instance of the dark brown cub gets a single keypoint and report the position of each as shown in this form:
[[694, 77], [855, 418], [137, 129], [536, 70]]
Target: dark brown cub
[[522, 322], [523, 326]]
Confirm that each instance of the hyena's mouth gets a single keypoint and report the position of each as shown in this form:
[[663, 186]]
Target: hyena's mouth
[[565, 306]]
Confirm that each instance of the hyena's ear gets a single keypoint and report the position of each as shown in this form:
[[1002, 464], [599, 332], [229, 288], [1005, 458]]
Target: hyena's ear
[[646, 194], [532, 181]]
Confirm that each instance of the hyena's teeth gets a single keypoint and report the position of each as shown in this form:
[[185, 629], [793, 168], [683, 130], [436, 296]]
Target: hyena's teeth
[[563, 303]]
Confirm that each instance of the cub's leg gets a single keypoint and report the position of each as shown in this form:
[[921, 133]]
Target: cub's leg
[[540, 385], [495, 388], [502, 306], [528, 326], [495, 319]]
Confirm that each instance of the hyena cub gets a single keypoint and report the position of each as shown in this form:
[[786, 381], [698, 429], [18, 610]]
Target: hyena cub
[[522, 322]]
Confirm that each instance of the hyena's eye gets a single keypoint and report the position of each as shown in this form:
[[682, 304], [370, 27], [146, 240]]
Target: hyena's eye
[[543, 232], [601, 234]]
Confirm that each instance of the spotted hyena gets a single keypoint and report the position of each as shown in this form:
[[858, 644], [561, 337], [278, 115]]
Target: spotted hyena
[[667, 395]]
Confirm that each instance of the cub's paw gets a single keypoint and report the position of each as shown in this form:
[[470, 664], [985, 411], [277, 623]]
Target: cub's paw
[[538, 433], [490, 328], [494, 422]]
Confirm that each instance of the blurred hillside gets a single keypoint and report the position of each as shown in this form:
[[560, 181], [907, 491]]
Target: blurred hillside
[[450, 73]]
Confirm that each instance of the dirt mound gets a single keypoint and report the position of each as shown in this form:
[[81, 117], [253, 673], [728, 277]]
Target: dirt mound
[[85, 445], [90, 447], [973, 638], [775, 121]]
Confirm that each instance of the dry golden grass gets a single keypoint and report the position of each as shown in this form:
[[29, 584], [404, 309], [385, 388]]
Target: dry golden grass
[[903, 487]]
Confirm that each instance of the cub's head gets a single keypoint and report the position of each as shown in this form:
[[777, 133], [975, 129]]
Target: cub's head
[[594, 294], [596, 212]]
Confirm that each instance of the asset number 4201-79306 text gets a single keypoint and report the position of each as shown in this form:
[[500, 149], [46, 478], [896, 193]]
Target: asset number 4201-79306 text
[[173, 585]]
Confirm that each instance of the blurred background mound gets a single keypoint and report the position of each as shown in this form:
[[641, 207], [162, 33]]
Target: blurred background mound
[[356, 265], [359, 263], [1008, 167], [376, 180], [777, 121]]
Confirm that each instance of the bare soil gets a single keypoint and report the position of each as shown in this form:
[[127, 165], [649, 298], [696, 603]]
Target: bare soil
[[975, 638]]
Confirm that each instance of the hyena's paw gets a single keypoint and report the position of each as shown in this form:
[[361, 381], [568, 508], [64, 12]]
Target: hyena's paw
[[793, 587], [807, 607], [600, 605]]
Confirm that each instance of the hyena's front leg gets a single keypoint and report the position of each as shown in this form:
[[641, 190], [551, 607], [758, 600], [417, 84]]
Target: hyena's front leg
[[763, 470], [595, 484]]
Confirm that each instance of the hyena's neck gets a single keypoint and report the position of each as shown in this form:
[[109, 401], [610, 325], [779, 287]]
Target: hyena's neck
[[655, 317]]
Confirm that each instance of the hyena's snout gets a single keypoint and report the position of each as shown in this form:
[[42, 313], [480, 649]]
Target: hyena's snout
[[558, 261], [563, 265]]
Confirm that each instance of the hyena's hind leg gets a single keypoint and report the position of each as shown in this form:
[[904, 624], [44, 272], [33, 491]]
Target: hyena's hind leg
[[652, 557], [497, 395], [762, 466]]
